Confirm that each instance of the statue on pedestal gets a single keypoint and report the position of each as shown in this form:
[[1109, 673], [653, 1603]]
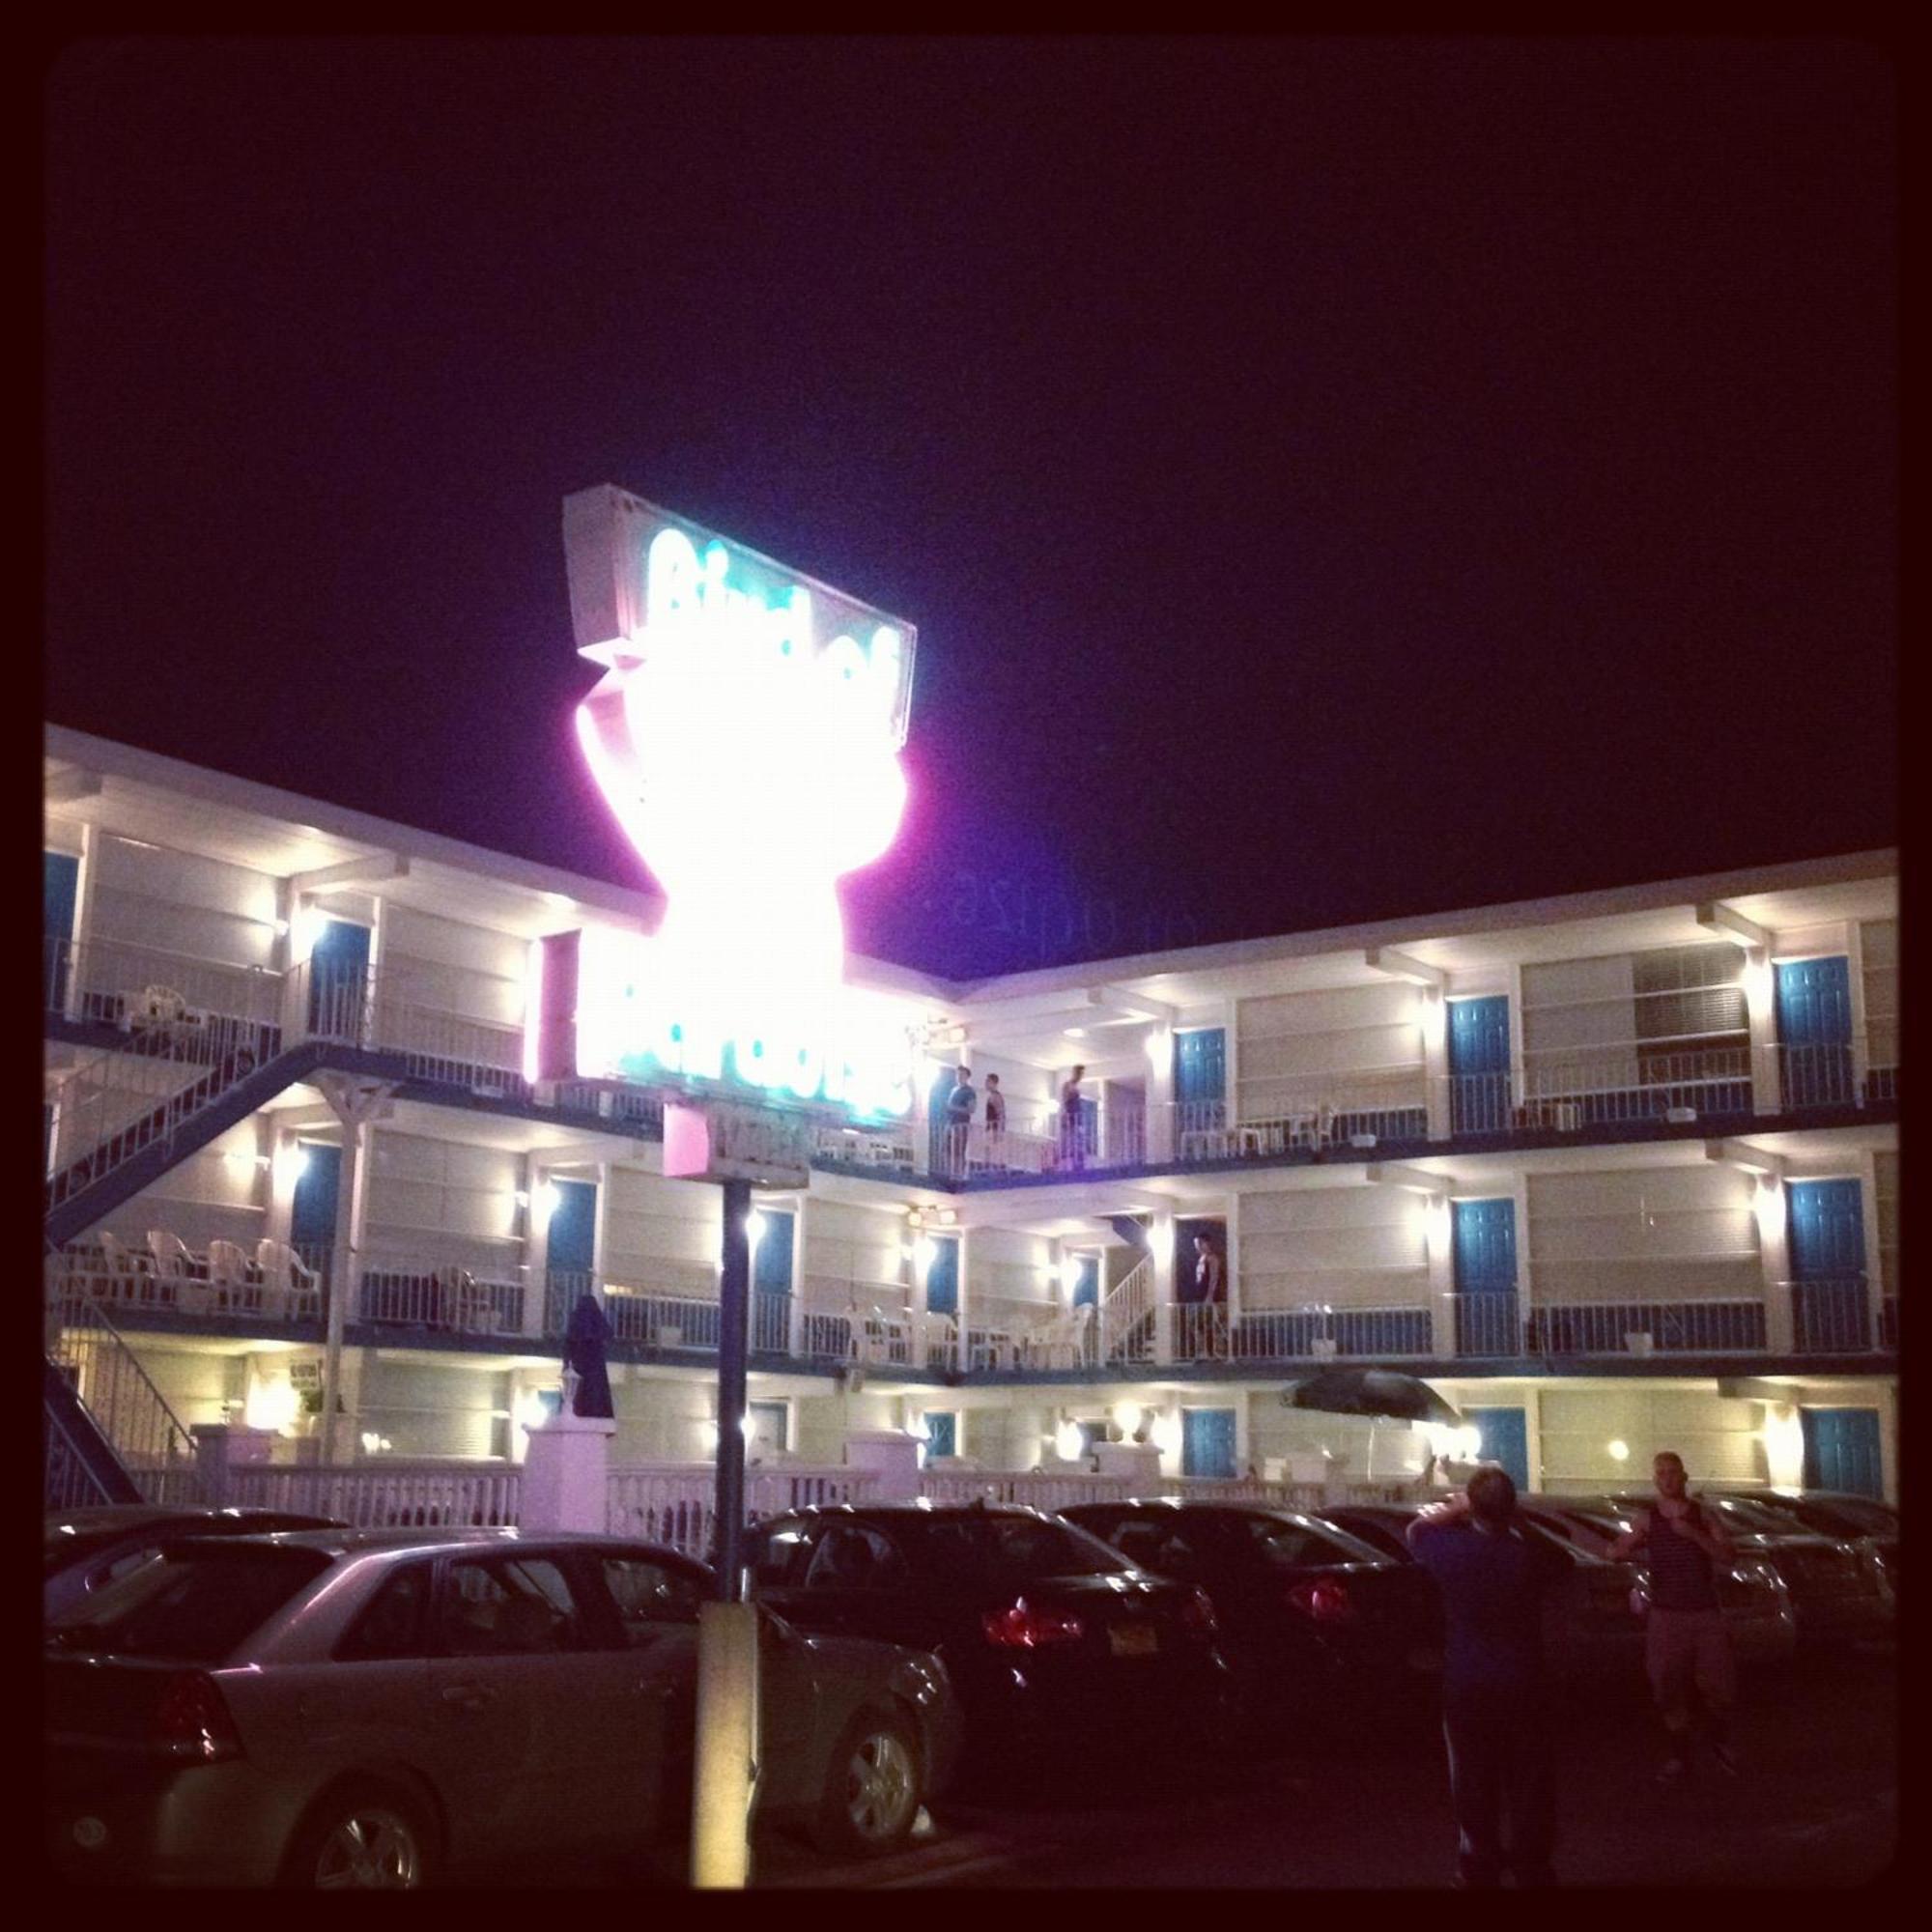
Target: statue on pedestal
[[586, 1387]]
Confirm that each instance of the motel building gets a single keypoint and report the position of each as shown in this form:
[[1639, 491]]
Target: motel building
[[342, 1120]]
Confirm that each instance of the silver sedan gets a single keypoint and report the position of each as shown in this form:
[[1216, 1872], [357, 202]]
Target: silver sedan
[[381, 1708]]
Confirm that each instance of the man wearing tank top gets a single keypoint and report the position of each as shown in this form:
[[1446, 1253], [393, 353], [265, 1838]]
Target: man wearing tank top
[[1685, 1549]]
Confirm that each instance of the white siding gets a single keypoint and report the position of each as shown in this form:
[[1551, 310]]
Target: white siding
[[1717, 1435], [427, 1409], [661, 1234], [442, 1202], [1347, 1248], [176, 902], [1878, 939], [216, 1194], [1352, 1047], [1646, 1234]]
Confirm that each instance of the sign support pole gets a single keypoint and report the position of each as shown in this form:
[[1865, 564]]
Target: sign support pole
[[726, 1767], [734, 1341]]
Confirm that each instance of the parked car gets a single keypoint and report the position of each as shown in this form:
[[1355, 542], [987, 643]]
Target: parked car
[[1833, 1593], [1871, 1527], [85, 1549], [381, 1708], [1591, 1627], [1757, 1606], [1056, 1644], [1313, 1621]]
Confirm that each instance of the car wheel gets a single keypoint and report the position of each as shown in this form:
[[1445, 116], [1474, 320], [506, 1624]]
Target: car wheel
[[364, 1837], [871, 1794]]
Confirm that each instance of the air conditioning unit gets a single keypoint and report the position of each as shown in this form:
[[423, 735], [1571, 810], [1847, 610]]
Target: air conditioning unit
[[1361, 1140], [1639, 1341], [1680, 1117], [1322, 1348], [851, 1380]]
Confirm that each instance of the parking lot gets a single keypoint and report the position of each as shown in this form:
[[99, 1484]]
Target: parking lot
[[1815, 1804]]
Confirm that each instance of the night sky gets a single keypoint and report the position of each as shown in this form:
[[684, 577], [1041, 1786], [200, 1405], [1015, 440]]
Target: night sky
[[1333, 480]]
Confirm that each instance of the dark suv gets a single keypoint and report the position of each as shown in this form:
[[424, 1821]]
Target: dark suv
[[1052, 1640]]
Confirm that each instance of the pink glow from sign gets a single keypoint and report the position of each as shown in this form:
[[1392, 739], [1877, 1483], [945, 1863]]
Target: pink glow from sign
[[751, 765]]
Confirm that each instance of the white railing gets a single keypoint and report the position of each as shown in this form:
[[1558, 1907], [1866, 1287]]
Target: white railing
[[893, 1147], [1824, 1076], [1124, 1332], [1244, 1489], [1199, 1331], [482, 1055], [1629, 1083], [116, 1390], [676, 1503], [662, 1317], [379, 1494], [1627, 1325], [1037, 1488], [1831, 1314], [111, 981], [409, 1292], [1003, 1332], [1489, 1323], [1319, 1331]]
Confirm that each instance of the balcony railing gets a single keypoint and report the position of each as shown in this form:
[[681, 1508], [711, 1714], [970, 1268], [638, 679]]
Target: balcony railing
[[382, 1494], [406, 1292], [1711, 1326], [276, 1282], [1831, 1314], [1343, 1334], [1489, 1323], [136, 988]]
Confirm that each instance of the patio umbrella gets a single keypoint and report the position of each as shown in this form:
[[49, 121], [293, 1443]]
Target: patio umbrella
[[1372, 1392]]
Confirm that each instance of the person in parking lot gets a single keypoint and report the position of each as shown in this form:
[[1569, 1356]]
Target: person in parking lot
[[1687, 1640], [1494, 1707]]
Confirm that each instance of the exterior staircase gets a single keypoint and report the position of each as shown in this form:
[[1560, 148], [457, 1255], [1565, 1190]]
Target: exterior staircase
[[119, 1441], [1124, 1332], [138, 1114]]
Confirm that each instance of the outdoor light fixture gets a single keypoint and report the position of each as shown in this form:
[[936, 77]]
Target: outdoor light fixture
[[1070, 1273], [1127, 1417], [1069, 1441], [754, 1227], [548, 1200], [922, 1251], [1620, 1451]]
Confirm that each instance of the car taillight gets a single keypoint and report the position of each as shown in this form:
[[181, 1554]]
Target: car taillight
[[1198, 1612], [192, 1720], [1325, 1600], [1021, 1627]]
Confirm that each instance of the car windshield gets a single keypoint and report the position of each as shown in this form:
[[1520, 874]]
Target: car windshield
[[1756, 1515], [196, 1603], [1009, 1550], [1379, 1533]]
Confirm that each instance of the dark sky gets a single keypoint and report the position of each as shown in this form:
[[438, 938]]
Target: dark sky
[[1332, 478]]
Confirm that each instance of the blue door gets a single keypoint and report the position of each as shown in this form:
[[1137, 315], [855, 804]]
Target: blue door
[[1201, 1078], [1841, 1450], [1087, 1284], [942, 1434], [1485, 1263], [312, 1228], [1505, 1439], [1814, 1031], [573, 1228], [1207, 1441], [942, 1277], [62, 885], [1479, 1065], [771, 1263], [1826, 1229], [338, 973]]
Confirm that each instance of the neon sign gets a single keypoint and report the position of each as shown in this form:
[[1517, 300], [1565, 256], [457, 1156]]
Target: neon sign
[[745, 736]]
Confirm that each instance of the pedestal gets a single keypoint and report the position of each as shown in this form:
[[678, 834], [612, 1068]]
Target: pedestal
[[1138, 1461], [892, 1455], [221, 1447], [566, 1473]]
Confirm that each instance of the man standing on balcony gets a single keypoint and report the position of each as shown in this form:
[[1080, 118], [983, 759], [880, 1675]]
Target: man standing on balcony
[[996, 1122], [1685, 1640], [1071, 1151], [1495, 1703], [959, 1105]]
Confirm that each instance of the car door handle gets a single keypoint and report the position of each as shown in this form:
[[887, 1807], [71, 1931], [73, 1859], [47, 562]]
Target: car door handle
[[470, 1696]]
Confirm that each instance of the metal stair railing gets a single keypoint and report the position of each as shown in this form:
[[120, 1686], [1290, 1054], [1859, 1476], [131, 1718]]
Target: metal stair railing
[[118, 1394], [120, 1102], [1124, 1332]]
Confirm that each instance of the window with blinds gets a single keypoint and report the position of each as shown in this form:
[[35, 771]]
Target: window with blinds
[[1688, 1000]]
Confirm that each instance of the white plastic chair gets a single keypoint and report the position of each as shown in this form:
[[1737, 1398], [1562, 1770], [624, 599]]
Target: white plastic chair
[[228, 1276], [126, 1271]]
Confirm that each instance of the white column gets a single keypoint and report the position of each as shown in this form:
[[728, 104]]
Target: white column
[[1760, 984], [1160, 1094], [531, 1179], [965, 1314], [1439, 1247], [1770, 1209], [345, 1277], [1161, 1236], [85, 881], [1518, 1068], [1874, 1270], [1855, 971], [1231, 1262], [892, 1455], [1434, 1019], [221, 1447], [795, 1311]]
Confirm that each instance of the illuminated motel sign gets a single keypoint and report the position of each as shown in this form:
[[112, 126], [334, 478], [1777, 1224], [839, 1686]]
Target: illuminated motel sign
[[744, 734]]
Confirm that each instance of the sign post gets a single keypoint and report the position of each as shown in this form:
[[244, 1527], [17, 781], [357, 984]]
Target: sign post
[[734, 1145]]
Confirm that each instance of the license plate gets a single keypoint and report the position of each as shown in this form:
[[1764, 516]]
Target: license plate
[[1133, 1640]]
